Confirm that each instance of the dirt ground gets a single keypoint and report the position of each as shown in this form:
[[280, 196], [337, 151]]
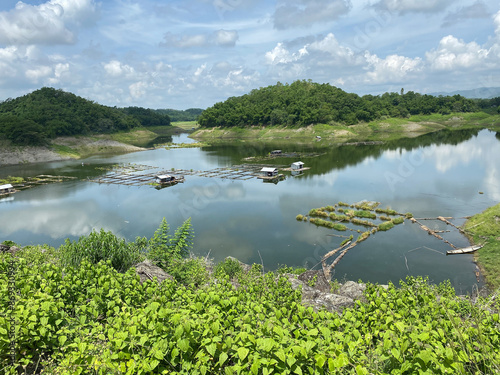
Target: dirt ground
[[83, 146]]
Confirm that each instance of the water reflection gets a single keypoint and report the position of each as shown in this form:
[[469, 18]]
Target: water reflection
[[432, 175]]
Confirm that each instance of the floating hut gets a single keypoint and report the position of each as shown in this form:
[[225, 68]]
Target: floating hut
[[276, 152], [6, 189], [269, 172], [165, 179], [297, 165]]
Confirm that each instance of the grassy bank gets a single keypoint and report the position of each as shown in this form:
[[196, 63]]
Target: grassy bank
[[380, 130], [484, 228]]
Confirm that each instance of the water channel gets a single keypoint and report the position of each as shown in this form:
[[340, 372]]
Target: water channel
[[453, 174]]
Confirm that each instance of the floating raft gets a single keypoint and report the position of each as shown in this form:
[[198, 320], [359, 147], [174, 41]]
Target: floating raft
[[464, 250]]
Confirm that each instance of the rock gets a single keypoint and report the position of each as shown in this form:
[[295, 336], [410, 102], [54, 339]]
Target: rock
[[311, 296], [316, 279], [148, 271], [352, 290], [9, 249]]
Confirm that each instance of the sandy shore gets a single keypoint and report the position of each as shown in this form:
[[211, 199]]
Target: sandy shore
[[76, 147]]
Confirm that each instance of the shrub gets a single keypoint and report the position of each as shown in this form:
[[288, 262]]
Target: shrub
[[191, 271], [99, 246], [230, 267], [299, 217], [164, 249]]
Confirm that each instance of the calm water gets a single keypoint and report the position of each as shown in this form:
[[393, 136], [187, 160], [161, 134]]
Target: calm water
[[439, 174]]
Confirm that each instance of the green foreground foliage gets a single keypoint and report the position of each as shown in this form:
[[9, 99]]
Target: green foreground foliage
[[92, 319]]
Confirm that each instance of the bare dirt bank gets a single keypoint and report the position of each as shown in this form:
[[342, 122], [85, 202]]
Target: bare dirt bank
[[63, 148]]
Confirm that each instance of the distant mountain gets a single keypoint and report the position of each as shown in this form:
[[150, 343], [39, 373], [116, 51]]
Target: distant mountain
[[479, 93]]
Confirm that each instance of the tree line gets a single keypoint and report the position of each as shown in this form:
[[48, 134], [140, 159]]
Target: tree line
[[303, 103], [47, 113]]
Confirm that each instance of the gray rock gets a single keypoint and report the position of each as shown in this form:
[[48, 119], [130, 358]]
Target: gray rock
[[352, 290], [148, 271], [317, 279]]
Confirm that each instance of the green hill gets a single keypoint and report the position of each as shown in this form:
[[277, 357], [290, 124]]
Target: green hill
[[190, 114], [48, 113], [303, 103]]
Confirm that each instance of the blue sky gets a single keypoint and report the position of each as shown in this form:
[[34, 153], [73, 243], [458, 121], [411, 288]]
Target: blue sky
[[193, 53]]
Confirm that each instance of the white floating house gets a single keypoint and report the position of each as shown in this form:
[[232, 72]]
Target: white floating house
[[269, 172], [297, 165], [165, 178], [276, 152], [6, 189]]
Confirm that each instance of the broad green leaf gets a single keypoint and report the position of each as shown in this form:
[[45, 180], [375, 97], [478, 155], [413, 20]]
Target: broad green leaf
[[242, 353]]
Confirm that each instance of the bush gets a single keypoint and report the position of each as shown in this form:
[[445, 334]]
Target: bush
[[230, 267], [164, 249], [191, 271], [100, 246], [365, 214]]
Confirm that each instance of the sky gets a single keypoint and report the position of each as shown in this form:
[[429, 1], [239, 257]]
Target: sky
[[194, 53]]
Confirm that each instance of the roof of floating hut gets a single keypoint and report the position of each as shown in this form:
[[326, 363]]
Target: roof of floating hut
[[164, 177], [6, 186], [269, 169], [297, 164]]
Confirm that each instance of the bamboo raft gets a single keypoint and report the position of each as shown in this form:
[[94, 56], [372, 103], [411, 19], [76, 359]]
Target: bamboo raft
[[464, 250]]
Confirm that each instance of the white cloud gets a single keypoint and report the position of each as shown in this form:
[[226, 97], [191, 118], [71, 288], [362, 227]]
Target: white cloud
[[300, 13], [453, 53], [138, 89], [44, 24], [393, 68], [35, 75], [407, 6], [226, 37], [117, 69]]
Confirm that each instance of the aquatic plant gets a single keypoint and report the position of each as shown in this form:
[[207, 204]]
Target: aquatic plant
[[363, 222], [398, 220], [336, 217], [386, 225], [365, 214]]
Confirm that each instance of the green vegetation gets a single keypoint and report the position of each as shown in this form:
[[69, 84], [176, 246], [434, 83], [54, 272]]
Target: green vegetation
[[44, 114], [92, 319], [484, 228], [188, 115], [328, 224], [303, 103], [386, 225], [365, 214]]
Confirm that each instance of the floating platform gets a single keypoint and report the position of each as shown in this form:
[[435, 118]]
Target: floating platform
[[296, 170], [464, 250]]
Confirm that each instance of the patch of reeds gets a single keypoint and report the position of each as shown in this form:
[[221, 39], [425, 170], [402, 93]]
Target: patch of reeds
[[369, 206], [318, 212], [346, 240], [343, 204], [363, 236], [365, 214], [328, 224], [387, 211], [384, 218], [336, 217], [398, 220], [386, 225], [366, 223]]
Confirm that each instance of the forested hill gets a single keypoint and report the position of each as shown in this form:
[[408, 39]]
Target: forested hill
[[304, 102], [47, 113], [190, 114]]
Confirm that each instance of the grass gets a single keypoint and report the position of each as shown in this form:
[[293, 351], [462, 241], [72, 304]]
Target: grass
[[484, 228], [136, 137], [386, 225], [380, 130], [11, 180], [66, 151]]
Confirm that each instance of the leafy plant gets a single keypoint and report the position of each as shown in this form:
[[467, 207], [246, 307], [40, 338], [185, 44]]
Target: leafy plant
[[230, 268], [164, 249], [99, 246]]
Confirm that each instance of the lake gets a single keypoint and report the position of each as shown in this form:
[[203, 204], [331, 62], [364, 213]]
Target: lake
[[453, 174]]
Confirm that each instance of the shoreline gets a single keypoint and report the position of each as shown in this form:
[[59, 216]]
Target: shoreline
[[63, 148]]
